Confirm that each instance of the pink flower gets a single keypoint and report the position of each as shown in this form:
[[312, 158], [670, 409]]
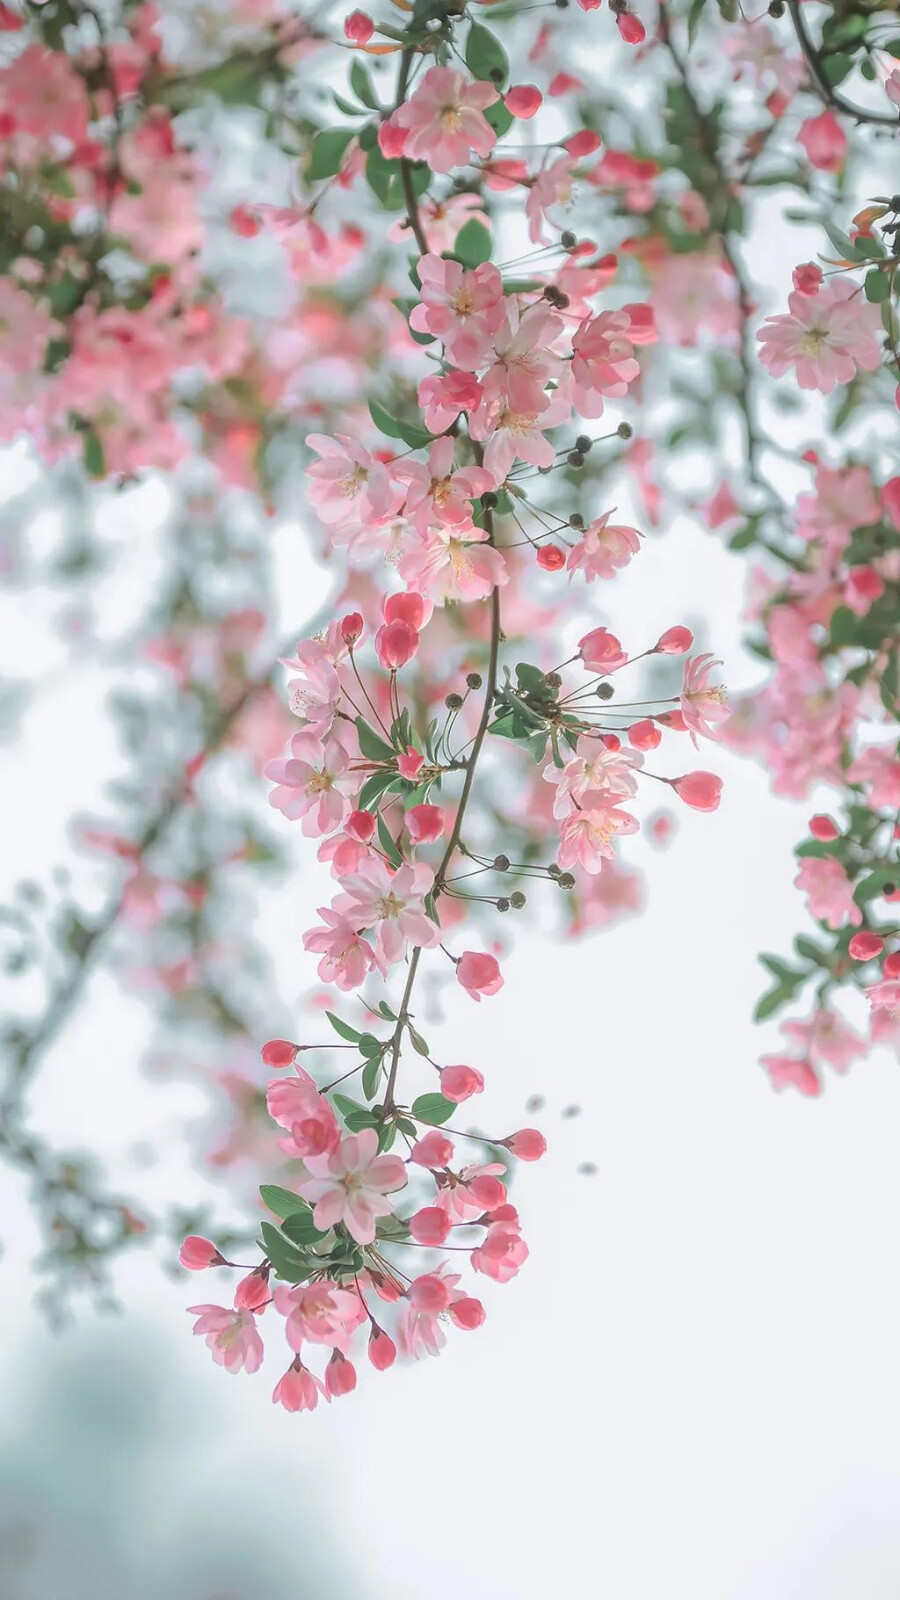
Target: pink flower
[[298, 1389], [825, 1037], [603, 361], [434, 1149], [430, 1225], [587, 835], [826, 337], [523, 100], [197, 1253], [316, 693], [347, 958], [462, 309], [349, 1185], [230, 1335], [393, 903], [501, 1252], [829, 891], [807, 278], [528, 1144], [426, 823], [410, 763], [313, 783], [702, 791], [296, 1104], [603, 549], [675, 641], [319, 1313], [824, 141], [279, 1053], [601, 651], [524, 363], [358, 27], [443, 120], [460, 1083], [347, 484], [703, 704], [551, 187], [382, 1350], [45, 96], [395, 644], [479, 973], [790, 1071], [437, 494], [878, 768], [607, 775], [885, 996], [443, 397], [419, 1329], [454, 564], [340, 1376]]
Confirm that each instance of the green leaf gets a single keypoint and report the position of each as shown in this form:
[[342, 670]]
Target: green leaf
[[473, 244], [485, 55], [300, 1228], [283, 1202], [94, 454], [373, 747], [362, 86], [433, 1108], [286, 1260], [418, 1043], [499, 118], [388, 843], [351, 1110], [370, 1076], [842, 242], [352, 1035], [771, 1002], [694, 15], [411, 433], [378, 784], [370, 1046], [327, 149], [877, 286]]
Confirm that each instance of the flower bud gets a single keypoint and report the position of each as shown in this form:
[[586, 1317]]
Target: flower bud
[[467, 1313], [409, 607], [891, 968], [700, 790], [601, 651], [279, 1053], [822, 828], [197, 1253], [351, 627], [340, 1376], [528, 1144], [426, 823], [360, 825], [382, 1350], [429, 1294], [252, 1291], [674, 642], [644, 735], [460, 1083], [550, 557], [431, 1225], [631, 28], [865, 946], [434, 1149], [358, 28], [523, 100], [395, 644]]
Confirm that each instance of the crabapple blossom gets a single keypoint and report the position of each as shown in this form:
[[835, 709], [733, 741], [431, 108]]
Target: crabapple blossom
[[349, 1185], [827, 338], [479, 973], [442, 121]]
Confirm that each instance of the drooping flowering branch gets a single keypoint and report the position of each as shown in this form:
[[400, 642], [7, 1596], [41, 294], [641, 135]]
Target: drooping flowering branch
[[513, 360]]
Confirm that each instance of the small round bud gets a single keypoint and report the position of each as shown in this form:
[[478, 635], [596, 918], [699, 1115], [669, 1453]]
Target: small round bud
[[889, 889], [553, 870], [566, 880], [568, 240], [453, 702], [583, 443], [474, 680], [776, 9], [605, 691], [576, 520], [625, 430], [575, 458], [517, 900], [503, 904], [501, 863], [553, 680], [489, 500]]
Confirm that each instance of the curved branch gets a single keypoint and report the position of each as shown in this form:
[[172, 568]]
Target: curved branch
[[830, 96]]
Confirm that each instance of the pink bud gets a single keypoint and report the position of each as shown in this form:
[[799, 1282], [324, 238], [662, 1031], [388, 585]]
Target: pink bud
[[431, 1225], [409, 607], [824, 141], [382, 1350], [823, 829], [891, 966], [279, 1053], [807, 278], [197, 1253], [467, 1313], [674, 720], [523, 100], [410, 764], [395, 644], [865, 946], [340, 1376], [479, 973], [433, 1150], [674, 642], [642, 329], [426, 823], [601, 651], [460, 1083], [644, 735], [583, 143], [361, 825], [244, 222], [631, 28], [487, 1190], [890, 499], [611, 741], [528, 1144], [551, 558], [391, 140], [351, 627], [358, 28], [429, 1293], [701, 790], [252, 1291], [865, 585]]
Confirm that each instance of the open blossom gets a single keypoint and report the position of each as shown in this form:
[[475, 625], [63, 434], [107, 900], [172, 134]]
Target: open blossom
[[435, 494], [609, 775], [703, 704], [349, 1185], [827, 337], [824, 141], [551, 187], [829, 891], [454, 563], [432, 1299], [313, 783], [603, 362], [315, 693], [462, 309], [298, 1389], [524, 362], [230, 1335], [347, 484], [587, 836], [825, 1037], [443, 120], [295, 1103], [319, 1313], [347, 958], [603, 549], [514, 435], [392, 905]]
